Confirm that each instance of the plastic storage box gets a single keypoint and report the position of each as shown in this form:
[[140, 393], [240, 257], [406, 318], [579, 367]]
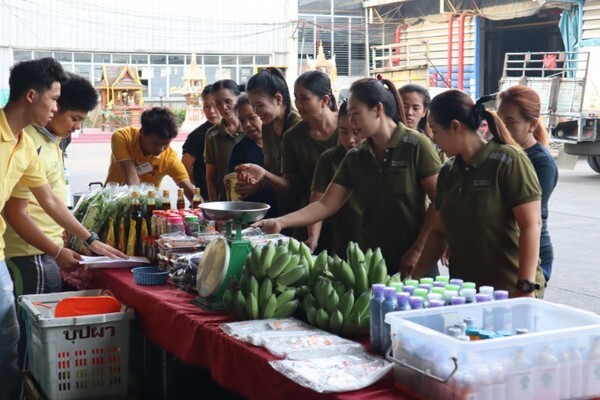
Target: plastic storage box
[[76, 357], [558, 357]]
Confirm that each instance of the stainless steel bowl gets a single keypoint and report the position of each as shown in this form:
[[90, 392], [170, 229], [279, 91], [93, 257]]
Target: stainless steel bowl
[[238, 211]]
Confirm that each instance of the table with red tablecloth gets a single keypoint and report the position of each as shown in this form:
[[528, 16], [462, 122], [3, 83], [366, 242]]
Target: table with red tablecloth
[[170, 319]]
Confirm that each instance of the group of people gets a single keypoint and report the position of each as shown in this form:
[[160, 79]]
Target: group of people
[[388, 168]]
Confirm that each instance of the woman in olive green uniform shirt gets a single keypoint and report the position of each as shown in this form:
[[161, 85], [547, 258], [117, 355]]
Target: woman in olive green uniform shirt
[[487, 202], [392, 172], [220, 138], [346, 223], [269, 95]]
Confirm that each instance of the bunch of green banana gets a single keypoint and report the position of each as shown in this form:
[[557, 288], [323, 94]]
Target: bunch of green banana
[[331, 307], [361, 270]]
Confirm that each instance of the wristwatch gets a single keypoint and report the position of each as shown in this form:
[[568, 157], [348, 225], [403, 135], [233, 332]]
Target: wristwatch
[[526, 286], [93, 237]]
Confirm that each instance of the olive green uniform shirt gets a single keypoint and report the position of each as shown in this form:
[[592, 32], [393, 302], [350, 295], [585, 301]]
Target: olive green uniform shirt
[[217, 148], [299, 156], [272, 145], [346, 224], [475, 201], [390, 192]]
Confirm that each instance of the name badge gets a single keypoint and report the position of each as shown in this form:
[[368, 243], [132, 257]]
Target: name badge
[[144, 168]]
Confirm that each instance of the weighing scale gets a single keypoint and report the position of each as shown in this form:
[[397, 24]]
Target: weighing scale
[[224, 258]]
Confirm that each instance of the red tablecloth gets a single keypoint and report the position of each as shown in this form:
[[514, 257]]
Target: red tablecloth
[[170, 320]]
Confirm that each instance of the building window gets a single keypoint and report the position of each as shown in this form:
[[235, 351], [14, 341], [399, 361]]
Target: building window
[[246, 60], [83, 57], [176, 60], [41, 54], [263, 60], [102, 58], [63, 57], [139, 59], [21, 55], [211, 60], [228, 60], [160, 59], [120, 58]]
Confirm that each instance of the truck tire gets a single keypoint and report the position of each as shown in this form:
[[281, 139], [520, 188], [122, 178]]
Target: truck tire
[[594, 163]]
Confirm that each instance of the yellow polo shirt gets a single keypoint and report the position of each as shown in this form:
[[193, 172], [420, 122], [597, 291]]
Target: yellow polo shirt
[[125, 144], [47, 147], [19, 163]]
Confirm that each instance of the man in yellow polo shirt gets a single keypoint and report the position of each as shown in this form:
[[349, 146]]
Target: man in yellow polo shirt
[[145, 155], [34, 90], [38, 270]]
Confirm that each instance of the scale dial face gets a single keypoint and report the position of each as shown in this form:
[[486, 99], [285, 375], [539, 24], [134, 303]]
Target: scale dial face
[[213, 267]]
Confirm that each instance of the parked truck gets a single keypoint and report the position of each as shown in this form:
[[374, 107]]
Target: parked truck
[[570, 97]]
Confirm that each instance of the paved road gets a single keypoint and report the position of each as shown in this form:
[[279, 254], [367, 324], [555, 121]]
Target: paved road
[[574, 223]]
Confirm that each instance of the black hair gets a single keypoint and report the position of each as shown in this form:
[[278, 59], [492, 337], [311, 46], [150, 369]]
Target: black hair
[[243, 99], [412, 88], [206, 91], [227, 84], [38, 75], [457, 105], [319, 83], [343, 110], [160, 122], [77, 94], [372, 91], [271, 81]]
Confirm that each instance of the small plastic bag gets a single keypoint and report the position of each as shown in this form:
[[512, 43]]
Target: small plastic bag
[[253, 331], [341, 373], [310, 344]]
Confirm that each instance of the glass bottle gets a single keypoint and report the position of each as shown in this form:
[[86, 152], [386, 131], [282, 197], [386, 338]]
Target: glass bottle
[[180, 199], [197, 198], [166, 205]]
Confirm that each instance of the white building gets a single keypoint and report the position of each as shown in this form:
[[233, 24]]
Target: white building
[[230, 38]]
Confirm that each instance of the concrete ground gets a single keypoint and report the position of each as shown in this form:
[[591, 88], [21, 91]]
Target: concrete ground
[[574, 222]]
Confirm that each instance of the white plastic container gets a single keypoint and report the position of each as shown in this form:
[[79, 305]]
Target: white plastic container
[[560, 338], [76, 357]]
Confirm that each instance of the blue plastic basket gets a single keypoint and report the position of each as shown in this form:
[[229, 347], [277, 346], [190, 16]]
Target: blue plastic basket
[[150, 276]]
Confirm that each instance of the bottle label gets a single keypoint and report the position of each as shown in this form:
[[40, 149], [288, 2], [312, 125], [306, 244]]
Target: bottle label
[[520, 385], [592, 373]]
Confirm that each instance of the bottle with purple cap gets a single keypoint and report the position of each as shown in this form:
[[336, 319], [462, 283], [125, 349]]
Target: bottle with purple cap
[[375, 317], [388, 305], [502, 314], [402, 303]]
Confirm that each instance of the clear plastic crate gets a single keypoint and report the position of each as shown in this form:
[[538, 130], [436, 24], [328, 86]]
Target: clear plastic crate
[[559, 357], [76, 357]]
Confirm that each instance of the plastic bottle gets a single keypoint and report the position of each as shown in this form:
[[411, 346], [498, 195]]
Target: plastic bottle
[[439, 284], [591, 368], [388, 305], [426, 280], [442, 278], [457, 300], [180, 199], [437, 321], [498, 375], [473, 333], [136, 215], [375, 317], [69, 199], [468, 294], [469, 285], [408, 289], [462, 326], [154, 223], [425, 286], [397, 285], [434, 296], [487, 312], [448, 294], [487, 290], [546, 375], [175, 224], [421, 293], [166, 203], [519, 382], [416, 302], [453, 331], [438, 290], [435, 303], [456, 282], [197, 198], [191, 225], [402, 303], [411, 282], [562, 355], [575, 369], [470, 321], [503, 313]]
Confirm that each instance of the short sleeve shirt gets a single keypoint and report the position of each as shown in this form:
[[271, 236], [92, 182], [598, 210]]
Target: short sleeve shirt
[[475, 201], [194, 145], [19, 163], [272, 143], [300, 155], [390, 192], [217, 150], [347, 222], [125, 145], [48, 148]]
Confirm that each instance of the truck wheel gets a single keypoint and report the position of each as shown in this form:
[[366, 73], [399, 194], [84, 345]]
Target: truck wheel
[[594, 163]]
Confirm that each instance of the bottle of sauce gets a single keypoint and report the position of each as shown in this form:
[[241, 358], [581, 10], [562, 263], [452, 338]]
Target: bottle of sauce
[[197, 198], [180, 199], [166, 205], [137, 216]]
